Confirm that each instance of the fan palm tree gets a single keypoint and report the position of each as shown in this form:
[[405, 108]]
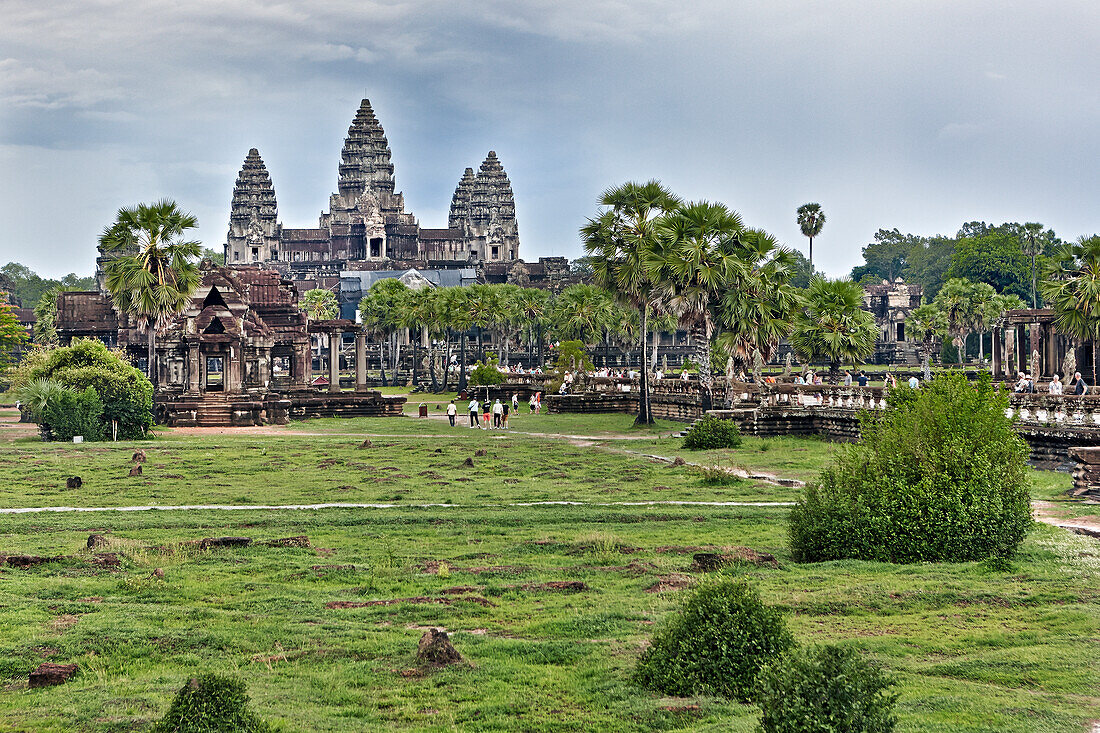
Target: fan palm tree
[[956, 299], [319, 304], [533, 305], [582, 312], [618, 242], [834, 325], [152, 270], [759, 312], [1072, 288], [459, 318], [378, 311], [928, 323], [695, 261], [811, 219]]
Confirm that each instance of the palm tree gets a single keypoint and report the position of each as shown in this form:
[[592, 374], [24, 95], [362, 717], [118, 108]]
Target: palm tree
[[956, 299], [582, 312], [811, 219], [693, 264], [533, 305], [1072, 288], [459, 319], [319, 304], [378, 311], [618, 242], [834, 325], [758, 311], [983, 311], [929, 323], [152, 271]]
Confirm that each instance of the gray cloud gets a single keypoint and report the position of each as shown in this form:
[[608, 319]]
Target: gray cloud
[[915, 115]]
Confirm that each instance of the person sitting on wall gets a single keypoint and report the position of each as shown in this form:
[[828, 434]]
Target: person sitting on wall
[[1021, 382]]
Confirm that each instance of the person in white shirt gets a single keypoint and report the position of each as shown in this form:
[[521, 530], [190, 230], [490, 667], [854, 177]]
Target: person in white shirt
[[452, 412], [914, 383], [498, 411], [1055, 385], [515, 402], [474, 408]]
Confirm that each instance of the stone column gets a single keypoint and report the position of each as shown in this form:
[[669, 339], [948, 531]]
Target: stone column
[[998, 356], [360, 362], [302, 366], [1035, 344], [334, 361], [194, 368]]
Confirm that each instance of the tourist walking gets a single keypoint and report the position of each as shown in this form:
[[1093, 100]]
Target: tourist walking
[[452, 413], [504, 417], [1079, 386], [475, 408], [531, 404], [861, 379], [488, 410], [515, 402], [498, 415], [847, 378]]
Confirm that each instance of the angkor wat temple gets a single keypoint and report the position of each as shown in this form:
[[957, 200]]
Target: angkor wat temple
[[366, 226]]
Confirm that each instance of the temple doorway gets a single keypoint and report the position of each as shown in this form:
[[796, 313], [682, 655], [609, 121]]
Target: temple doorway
[[215, 374]]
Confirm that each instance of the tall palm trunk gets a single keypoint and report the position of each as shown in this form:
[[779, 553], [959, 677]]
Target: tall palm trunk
[[702, 350], [656, 345], [645, 417], [382, 360], [462, 361], [152, 355]]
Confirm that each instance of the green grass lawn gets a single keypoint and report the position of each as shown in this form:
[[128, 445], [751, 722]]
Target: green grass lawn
[[972, 648]]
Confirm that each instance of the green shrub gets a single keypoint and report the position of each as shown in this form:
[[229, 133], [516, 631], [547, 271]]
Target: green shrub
[[126, 393], [940, 476], [38, 395], [211, 703], [717, 644], [827, 689], [712, 432], [75, 413], [485, 374]]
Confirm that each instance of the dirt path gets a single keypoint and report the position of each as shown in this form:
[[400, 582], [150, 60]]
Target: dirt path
[[11, 428], [339, 505], [1051, 513]]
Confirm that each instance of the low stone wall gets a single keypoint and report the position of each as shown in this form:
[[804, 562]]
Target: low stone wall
[[225, 411], [1086, 472]]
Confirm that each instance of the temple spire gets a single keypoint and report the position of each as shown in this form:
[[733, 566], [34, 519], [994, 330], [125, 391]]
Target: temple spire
[[252, 214], [365, 162], [460, 202]]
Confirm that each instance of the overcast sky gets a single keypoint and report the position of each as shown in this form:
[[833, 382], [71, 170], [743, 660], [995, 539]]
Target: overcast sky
[[916, 114]]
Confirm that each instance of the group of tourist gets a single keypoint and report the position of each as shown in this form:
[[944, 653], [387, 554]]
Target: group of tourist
[[1027, 384], [493, 415]]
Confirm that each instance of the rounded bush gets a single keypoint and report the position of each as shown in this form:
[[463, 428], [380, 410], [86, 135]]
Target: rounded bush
[[712, 432], [940, 476], [826, 689], [717, 644], [211, 703]]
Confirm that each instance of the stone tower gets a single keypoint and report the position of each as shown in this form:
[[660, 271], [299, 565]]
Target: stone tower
[[460, 202], [253, 231], [365, 189], [485, 208]]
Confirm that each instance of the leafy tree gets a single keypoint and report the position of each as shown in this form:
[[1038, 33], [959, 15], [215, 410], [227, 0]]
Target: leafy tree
[[811, 220], [940, 476], [486, 373], [218, 258], [571, 357], [534, 307], [834, 325], [994, 258], [619, 240], [887, 258], [27, 287], [126, 393], [1072, 288], [12, 334], [152, 273], [319, 304], [75, 413], [802, 272]]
